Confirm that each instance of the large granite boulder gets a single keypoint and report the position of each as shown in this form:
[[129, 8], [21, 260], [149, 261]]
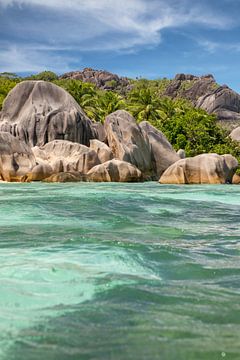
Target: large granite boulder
[[103, 151], [163, 154], [16, 158], [115, 171], [235, 134], [236, 179], [127, 142], [223, 102], [38, 112], [201, 169], [66, 156], [99, 131], [39, 172]]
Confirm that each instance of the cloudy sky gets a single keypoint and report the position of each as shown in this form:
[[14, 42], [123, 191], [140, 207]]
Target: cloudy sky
[[148, 38]]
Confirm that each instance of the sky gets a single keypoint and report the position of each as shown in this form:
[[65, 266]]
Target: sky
[[135, 38]]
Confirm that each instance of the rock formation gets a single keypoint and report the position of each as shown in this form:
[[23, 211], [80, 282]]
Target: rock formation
[[38, 112], [63, 177], [205, 93], [190, 87], [115, 171], [127, 142], [162, 153], [235, 134], [102, 79], [236, 179], [201, 169], [16, 158], [104, 153], [223, 102], [66, 156]]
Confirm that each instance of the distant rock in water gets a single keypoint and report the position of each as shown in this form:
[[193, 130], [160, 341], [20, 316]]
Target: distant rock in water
[[38, 112], [101, 78], [64, 177], [66, 156], [16, 158], [201, 169], [115, 171]]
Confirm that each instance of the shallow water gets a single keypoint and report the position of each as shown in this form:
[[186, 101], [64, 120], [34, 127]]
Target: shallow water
[[119, 271]]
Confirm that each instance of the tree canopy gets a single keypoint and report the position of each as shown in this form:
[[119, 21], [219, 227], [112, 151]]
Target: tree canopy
[[185, 126]]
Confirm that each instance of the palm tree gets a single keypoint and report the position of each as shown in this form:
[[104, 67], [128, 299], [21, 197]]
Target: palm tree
[[106, 103], [144, 105], [83, 93]]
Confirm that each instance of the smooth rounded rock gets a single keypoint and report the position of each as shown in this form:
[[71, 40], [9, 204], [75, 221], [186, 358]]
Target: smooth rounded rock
[[16, 158], [115, 171], [162, 153], [66, 156], [201, 169], [38, 112], [103, 151], [127, 142], [65, 177]]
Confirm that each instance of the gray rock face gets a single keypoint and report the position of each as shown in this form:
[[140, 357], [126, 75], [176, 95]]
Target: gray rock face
[[101, 78], [201, 169], [66, 156], [38, 112], [115, 171], [99, 130], [235, 134], [16, 158], [223, 102], [181, 153], [64, 177], [104, 153], [127, 142], [162, 152], [190, 87]]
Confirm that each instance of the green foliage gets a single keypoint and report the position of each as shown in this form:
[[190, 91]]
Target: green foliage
[[7, 83], [111, 84], [44, 75], [84, 94], [97, 104], [9, 75], [158, 86], [106, 103], [144, 104], [186, 127]]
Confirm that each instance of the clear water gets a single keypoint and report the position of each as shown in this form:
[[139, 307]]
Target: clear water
[[119, 271]]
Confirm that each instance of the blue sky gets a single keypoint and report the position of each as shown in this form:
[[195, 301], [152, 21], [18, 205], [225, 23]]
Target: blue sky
[[148, 38]]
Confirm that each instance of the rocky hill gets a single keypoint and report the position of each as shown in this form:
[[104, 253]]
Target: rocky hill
[[102, 79], [202, 91], [206, 94]]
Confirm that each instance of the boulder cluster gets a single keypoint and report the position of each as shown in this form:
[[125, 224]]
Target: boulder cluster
[[46, 136], [101, 78], [205, 93]]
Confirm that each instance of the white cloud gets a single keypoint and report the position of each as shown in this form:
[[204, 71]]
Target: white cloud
[[213, 46], [23, 59], [94, 25]]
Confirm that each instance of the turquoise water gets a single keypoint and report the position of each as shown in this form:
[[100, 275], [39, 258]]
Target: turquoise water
[[119, 271]]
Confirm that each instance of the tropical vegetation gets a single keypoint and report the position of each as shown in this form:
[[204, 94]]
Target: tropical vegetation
[[186, 127]]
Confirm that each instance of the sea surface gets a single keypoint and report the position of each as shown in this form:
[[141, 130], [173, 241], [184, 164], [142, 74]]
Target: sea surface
[[119, 271]]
